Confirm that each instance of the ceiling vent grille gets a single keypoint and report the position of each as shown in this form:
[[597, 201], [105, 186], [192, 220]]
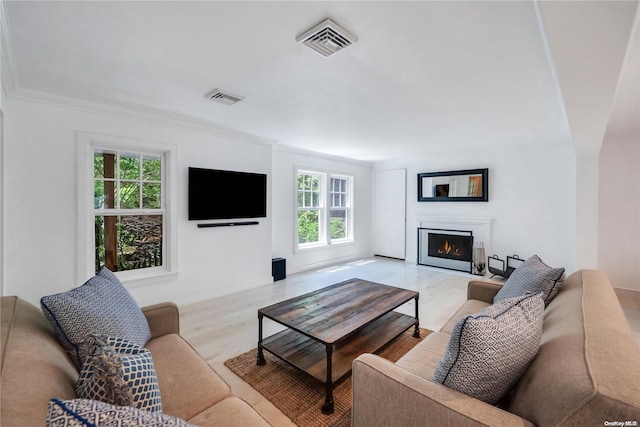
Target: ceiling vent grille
[[327, 38], [223, 97]]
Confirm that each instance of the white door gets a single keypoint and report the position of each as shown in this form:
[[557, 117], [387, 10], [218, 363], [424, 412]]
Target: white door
[[389, 213]]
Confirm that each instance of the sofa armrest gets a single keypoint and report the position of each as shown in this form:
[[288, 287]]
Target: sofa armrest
[[483, 290], [385, 394], [163, 319]]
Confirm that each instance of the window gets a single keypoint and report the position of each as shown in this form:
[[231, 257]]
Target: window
[[124, 210], [339, 212], [309, 208], [323, 208], [128, 210]]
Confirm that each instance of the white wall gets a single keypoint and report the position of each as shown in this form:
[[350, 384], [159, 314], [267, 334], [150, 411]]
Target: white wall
[[1, 156], [285, 162], [619, 206], [587, 43], [531, 200], [40, 205]]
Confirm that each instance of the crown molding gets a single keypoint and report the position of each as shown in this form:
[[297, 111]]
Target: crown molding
[[308, 153], [166, 118], [138, 112]]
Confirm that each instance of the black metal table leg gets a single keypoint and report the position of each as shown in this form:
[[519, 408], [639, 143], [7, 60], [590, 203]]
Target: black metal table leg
[[416, 331], [261, 361], [327, 408]]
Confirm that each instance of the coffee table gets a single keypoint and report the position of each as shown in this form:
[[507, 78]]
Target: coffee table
[[328, 328]]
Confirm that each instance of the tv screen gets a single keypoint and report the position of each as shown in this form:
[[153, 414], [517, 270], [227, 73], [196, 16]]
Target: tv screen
[[221, 194]]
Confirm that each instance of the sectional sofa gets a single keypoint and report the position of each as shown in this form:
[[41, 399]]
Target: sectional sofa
[[35, 368], [586, 371]]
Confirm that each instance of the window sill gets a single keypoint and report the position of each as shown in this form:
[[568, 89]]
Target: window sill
[[134, 279], [324, 247]]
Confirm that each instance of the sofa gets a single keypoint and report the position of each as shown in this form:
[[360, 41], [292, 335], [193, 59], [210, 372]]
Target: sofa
[[586, 371], [35, 369]]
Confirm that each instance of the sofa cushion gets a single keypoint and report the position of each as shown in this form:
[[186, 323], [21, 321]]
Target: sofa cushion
[[103, 306], [587, 370], [469, 307], [119, 372], [423, 358], [230, 412], [193, 384], [531, 277], [92, 413], [489, 351]]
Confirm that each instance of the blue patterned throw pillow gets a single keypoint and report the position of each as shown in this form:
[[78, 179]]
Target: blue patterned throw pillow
[[102, 306], [531, 277], [119, 372], [489, 351], [91, 413]]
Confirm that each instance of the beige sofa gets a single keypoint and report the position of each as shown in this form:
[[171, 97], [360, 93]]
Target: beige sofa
[[586, 373], [35, 368]]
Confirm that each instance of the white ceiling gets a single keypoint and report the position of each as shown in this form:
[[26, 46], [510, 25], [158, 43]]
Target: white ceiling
[[424, 76]]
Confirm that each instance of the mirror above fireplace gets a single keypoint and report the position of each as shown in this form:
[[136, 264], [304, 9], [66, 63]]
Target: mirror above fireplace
[[469, 185]]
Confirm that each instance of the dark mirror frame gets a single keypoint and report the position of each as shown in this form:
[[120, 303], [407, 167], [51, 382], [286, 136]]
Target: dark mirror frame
[[485, 186]]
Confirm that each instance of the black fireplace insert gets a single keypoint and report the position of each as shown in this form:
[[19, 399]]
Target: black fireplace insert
[[443, 248], [450, 246]]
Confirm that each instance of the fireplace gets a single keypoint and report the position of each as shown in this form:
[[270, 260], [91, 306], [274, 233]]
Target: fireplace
[[450, 249], [450, 246]]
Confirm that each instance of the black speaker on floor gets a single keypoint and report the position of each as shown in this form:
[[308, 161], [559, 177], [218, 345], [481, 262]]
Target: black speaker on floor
[[278, 268]]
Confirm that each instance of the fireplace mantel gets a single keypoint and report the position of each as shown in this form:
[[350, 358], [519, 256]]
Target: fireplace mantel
[[431, 220]]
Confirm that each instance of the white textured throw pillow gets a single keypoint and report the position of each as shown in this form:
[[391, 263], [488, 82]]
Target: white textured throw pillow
[[490, 350], [531, 277]]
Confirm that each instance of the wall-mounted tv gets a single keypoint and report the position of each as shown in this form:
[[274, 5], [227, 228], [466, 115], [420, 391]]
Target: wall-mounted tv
[[222, 194]]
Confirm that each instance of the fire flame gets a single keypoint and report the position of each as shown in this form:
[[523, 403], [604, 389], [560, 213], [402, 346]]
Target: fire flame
[[449, 249]]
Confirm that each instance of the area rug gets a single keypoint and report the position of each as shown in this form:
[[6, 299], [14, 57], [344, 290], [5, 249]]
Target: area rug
[[300, 397]]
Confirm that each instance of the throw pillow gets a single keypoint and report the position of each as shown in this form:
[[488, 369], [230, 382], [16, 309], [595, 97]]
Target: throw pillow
[[119, 372], [91, 413], [531, 277], [103, 306], [490, 350]]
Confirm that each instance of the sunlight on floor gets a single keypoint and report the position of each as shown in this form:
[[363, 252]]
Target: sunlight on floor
[[362, 262], [347, 266]]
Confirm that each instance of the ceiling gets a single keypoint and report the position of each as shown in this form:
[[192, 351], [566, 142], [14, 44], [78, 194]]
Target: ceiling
[[424, 77]]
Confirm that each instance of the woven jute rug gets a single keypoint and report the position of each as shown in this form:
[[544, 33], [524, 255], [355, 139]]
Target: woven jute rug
[[300, 397]]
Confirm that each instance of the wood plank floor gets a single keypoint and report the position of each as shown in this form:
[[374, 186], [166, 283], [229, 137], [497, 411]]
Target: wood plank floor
[[225, 327]]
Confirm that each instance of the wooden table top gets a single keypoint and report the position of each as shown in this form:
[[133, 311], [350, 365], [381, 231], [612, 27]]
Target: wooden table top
[[333, 313]]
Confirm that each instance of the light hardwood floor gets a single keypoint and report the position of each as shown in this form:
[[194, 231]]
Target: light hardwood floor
[[225, 327]]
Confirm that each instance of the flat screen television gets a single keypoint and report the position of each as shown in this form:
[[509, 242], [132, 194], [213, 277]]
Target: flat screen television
[[222, 194]]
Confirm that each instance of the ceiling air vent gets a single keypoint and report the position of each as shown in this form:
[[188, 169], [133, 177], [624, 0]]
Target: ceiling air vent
[[223, 97], [327, 38]]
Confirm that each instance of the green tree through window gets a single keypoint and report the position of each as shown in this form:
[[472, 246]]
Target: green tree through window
[[308, 208], [323, 208]]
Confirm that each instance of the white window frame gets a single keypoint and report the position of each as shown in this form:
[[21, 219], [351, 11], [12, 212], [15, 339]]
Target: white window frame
[[325, 240], [348, 208], [321, 209], [86, 144]]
